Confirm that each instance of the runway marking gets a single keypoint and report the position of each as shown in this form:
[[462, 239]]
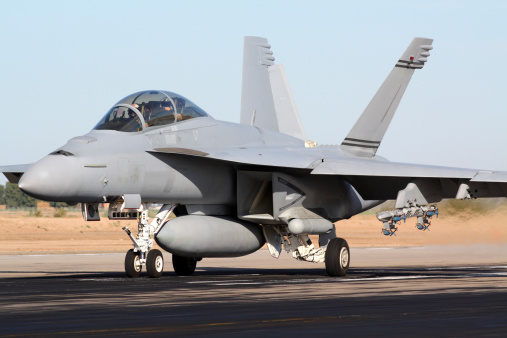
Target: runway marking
[[392, 278], [216, 281], [466, 267], [359, 279], [490, 274], [229, 282], [243, 283], [98, 279], [82, 254]]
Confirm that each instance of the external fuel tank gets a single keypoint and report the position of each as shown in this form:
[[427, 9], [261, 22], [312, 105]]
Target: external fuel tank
[[210, 236]]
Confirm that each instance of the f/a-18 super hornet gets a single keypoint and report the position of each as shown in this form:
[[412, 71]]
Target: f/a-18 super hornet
[[234, 187]]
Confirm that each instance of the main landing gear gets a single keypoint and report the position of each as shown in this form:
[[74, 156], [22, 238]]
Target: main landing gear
[[337, 257], [333, 251], [142, 254], [184, 266]]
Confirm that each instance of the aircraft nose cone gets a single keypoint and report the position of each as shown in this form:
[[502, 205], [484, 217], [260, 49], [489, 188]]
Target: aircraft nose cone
[[54, 178]]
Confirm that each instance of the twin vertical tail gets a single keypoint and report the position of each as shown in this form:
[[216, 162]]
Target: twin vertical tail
[[266, 98], [267, 101], [366, 135]]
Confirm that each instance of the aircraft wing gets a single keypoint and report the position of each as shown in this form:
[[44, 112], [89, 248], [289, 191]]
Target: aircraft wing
[[375, 168], [372, 178], [14, 172], [382, 180]]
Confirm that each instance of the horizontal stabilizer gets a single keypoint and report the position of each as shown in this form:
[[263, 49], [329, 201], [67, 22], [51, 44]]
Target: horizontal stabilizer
[[14, 172], [366, 135]]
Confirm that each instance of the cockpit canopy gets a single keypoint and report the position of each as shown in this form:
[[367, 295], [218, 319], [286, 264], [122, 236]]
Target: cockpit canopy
[[149, 109]]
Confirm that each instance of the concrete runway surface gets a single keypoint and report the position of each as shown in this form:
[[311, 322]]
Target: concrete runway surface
[[419, 291]]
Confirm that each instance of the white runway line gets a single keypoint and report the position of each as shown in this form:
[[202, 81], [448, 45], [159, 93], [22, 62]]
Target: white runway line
[[466, 267], [80, 254], [217, 281], [391, 278], [362, 279], [229, 284]]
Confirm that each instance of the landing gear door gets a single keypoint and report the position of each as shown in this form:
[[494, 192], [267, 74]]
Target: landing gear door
[[125, 208], [131, 201], [90, 211]]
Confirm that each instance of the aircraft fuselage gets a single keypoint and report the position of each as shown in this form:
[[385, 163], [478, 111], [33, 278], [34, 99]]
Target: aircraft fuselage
[[104, 164]]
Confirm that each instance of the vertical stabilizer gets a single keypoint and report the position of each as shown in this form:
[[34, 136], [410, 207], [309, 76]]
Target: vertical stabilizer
[[256, 97], [366, 135], [266, 98], [287, 114]]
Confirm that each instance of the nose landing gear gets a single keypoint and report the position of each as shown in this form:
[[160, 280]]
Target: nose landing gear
[[132, 264], [142, 254], [155, 263]]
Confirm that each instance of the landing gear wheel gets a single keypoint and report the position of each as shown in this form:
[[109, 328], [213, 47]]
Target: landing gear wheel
[[132, 264], [337, 257], [154, 263], [184, 266]]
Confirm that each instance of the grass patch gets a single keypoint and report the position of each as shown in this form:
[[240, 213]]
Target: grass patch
[[60, 212], [470, 208], [35, 213]]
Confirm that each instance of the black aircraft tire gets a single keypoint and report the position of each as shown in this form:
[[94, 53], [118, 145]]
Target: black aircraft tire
[[337, 257], [184, 266], [154, 263], [132, 264]]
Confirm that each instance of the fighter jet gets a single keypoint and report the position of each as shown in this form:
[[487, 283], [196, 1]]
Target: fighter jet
[[234, 187]]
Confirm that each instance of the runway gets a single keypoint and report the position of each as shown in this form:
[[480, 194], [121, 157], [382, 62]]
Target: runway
[[400, 292]]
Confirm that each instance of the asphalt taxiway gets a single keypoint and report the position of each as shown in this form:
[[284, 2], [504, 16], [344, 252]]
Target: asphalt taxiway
[[442, 291]]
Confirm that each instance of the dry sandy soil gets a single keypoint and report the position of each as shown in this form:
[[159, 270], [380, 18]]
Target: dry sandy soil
[[25, 234]]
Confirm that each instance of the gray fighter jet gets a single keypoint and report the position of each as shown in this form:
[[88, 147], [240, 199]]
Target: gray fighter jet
[[235, 187]]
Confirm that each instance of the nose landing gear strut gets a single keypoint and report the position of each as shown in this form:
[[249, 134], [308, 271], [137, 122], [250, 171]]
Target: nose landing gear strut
[[142, 254]]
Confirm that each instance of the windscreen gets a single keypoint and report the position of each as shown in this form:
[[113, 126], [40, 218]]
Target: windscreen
[[120, 119]]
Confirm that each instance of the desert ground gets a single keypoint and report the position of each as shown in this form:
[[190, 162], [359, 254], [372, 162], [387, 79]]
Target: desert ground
[[459, 223]]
